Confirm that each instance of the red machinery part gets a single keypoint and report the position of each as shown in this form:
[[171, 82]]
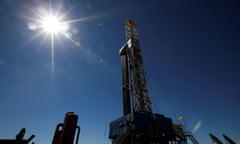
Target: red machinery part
[[65, 133]]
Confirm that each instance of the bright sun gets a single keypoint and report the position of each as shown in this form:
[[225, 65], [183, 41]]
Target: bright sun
[[51, 24], [54, 25]]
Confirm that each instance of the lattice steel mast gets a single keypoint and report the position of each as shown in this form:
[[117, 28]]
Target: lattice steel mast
[[135, 91]]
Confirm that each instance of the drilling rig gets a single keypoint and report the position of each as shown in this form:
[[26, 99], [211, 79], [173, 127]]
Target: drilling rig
[[139, 125]]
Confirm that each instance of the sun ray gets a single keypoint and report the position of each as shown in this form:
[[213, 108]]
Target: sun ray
[[52, 24], [87, 18], [52, 57]]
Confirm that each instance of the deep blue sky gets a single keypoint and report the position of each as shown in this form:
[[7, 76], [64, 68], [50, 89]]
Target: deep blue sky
[[190, 50]]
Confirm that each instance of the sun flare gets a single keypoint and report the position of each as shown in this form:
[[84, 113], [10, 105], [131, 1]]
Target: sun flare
[[51, 24], [54, 25]]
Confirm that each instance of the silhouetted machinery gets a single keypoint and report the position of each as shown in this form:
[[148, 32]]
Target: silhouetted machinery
[[139, 125], [19, 138], [217, 141], [65, 133]]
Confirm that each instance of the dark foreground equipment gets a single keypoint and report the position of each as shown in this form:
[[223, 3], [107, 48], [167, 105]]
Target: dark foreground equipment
[[228, 139], [65, 132], [19, 138], [215, 139]]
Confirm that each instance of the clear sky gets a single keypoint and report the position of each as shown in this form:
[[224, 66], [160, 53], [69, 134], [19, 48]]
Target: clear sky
[[190, 50]]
